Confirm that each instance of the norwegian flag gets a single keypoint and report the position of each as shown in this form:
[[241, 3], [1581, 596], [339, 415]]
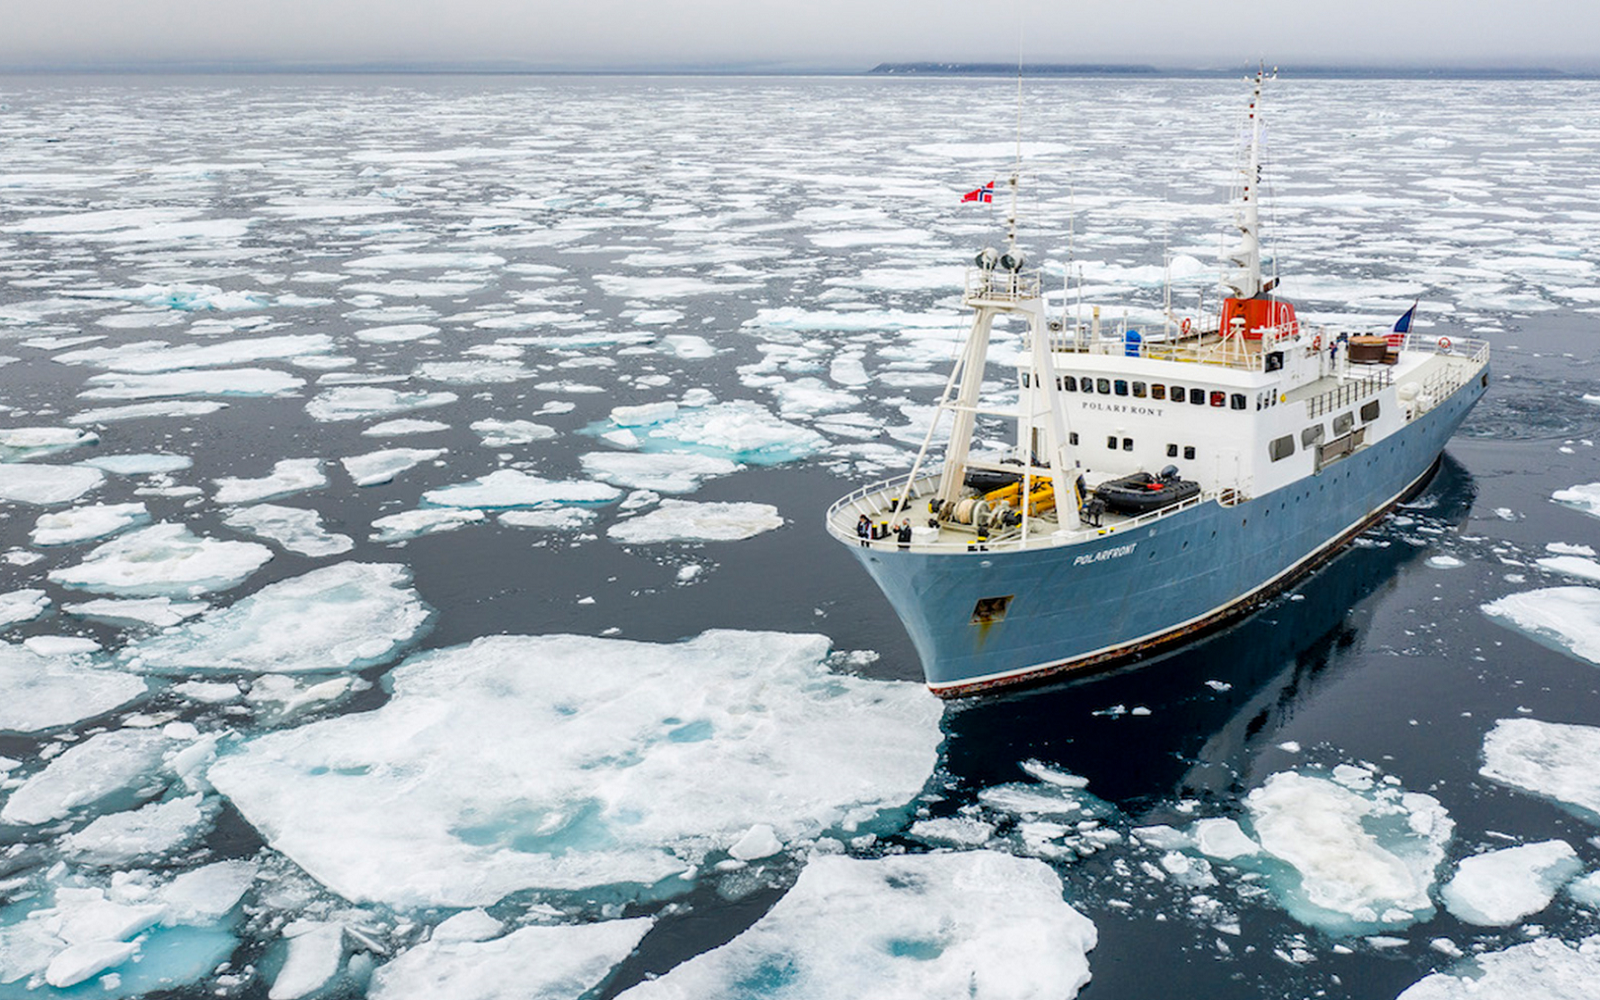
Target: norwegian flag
[[983, 194]]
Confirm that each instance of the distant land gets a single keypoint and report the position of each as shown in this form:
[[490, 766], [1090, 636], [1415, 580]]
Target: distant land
[[1133, 69]]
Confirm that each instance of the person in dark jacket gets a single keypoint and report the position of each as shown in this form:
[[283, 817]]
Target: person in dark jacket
[[903, 536], [864, 530]]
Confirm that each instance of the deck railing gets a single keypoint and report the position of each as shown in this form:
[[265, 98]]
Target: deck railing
[[999, 285], [1349, 392]]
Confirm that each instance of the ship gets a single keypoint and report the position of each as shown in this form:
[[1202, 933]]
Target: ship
[[1163, 482]]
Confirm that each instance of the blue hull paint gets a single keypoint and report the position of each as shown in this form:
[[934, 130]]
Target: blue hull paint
[[1131, 593]]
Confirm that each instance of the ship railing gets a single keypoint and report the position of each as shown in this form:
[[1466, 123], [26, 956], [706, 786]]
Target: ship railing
[[999, 285], [1471, 348], [876, 499], [1348, 393]]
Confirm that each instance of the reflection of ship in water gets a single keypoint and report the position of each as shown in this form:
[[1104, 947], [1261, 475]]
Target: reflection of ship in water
[[1195, 743]]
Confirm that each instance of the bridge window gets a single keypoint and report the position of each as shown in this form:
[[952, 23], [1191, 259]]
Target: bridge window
[[1158, 391], [1121, 386], [1281, 448], [1237, 401], [1219, 398], [1069, 383], [1102, 386], [1087, 385], [1197, 397], [1177, 394], [1138, 390]]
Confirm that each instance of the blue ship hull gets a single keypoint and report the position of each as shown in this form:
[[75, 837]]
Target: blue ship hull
[[1131, 594]]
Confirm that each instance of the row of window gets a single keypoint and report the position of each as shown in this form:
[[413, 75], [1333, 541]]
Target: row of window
[[1344, 423], [1112, 442], [1154, 390]]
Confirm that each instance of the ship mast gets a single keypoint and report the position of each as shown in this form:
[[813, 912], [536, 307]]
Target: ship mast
[[1244, 280]]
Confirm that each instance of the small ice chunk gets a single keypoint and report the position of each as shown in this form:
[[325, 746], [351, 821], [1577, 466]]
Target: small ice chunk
[[81, 524], [291, 475], [1585, 497], [558, 961], [22, 606], [1567, 617], [959, 831], [164, 559], [342, 617], [140, 465], [503, 433], [1553, 760], [47, 485], [664, 472], [926, 925], [688, 521], [59, 645], [410, 524], [513, 488], [82, 961], [758, 842], [1586, 891], [404, 427], [151, 831], [551, 518], [158, 611], [204, 895], [644, 414], [1363, 858], [377, 467], [1223, 839], [468, 925], [1570, 549], [1545, 968], [297, 529], [360, 402], [316, 951], [18, 444], [45, 692], [1445, 562], [1499, 888], [1578, 566]]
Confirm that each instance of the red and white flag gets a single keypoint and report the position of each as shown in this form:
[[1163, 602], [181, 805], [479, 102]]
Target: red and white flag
[[984, 194]]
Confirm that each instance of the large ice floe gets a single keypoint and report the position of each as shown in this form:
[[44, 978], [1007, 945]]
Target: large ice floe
[[1567, 618], [297, 529], [973, 923], [1545, 969], [740, 431], [157, 356], [1584, 497], [357, 402], [689, 521], [109, 771], [47, 485], [22, 605], [1498, 888], [1346, 852], [164, 560], [18, 444], [221, 382], [345, 617], [44, 692], [514, 488], [290, 475], [663, 472], [378, 467], [1553, 760], [594, 762], [467, 957]]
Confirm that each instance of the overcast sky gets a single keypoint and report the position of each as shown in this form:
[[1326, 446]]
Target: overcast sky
[[799, 34]]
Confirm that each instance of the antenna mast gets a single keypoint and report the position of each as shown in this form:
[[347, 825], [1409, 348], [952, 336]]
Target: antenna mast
[[1245, 280]]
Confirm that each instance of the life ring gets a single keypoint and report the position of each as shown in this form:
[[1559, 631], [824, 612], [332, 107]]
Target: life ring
[[1444, 343], [1185, 325], [1316, 342]]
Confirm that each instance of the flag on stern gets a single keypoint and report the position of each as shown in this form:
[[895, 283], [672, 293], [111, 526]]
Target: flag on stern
[[984, 194], [1402, 326]]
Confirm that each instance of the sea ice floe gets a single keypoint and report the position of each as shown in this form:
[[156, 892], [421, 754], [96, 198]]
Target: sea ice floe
[[585, 755], [501, 433], [739, 431], [397, 334], [1567, 618], [345, 617], [1585, 497], [688, 521], [144, 411], [554, 961], [350, 402], [149, 832], [404, 427], [315, 952], [425, 521], [378, 467], [1553, 760], [163, 560], [47, 485], [664, 472], [297, 529], [18, 444], [1572, 565], [81, 524], [550, 518], [112, 770], [290, 475], [157, 611], [139, 465], [1499, 888], [218, 382], [45, 692], [157, 356], [514, 488], [1357, 857], [22, 606], [1544, 968], [973, 923]]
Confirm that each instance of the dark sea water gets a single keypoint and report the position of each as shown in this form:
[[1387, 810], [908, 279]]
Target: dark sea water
[[556, 234]]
